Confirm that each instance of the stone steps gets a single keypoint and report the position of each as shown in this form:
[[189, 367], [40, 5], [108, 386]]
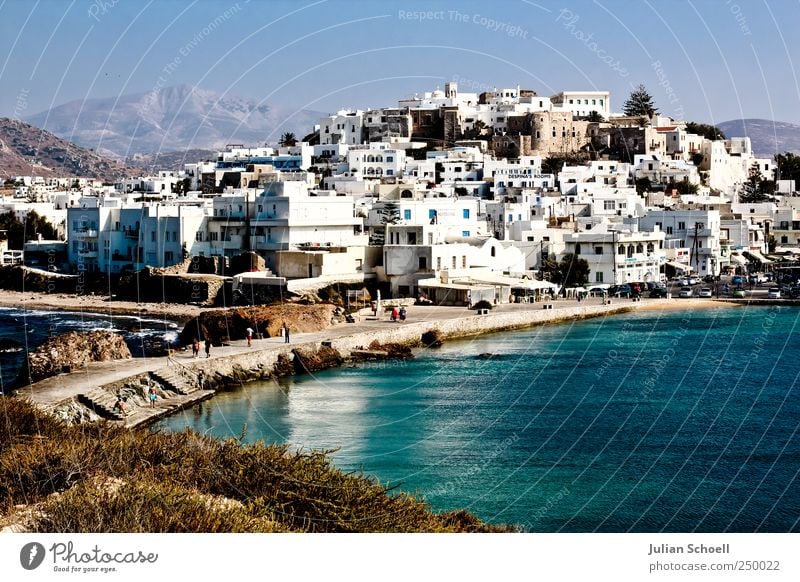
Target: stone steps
[[101, 402], [174, 380]]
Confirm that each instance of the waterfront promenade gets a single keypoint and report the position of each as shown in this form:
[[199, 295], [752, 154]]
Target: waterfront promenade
[[451, 322]]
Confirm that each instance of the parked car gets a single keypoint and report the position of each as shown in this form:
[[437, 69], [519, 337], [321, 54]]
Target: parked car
[[705, 292], [686, 292], [737, 280], [620, 290], [693, 280], [709, 278], [598, 291], [658, 293], [738, 293], [684, 281], [774, 293]]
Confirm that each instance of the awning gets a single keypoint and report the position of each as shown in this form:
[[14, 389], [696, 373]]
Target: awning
[[738, 259], [758, 256], [678, 266]]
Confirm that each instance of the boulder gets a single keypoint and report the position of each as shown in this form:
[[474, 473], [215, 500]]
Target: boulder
[[70, 351], [232, 323]]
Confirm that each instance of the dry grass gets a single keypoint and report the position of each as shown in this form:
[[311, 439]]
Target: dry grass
[[185, 482]]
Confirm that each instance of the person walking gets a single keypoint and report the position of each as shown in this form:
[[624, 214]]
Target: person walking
[[249, 331], [403, 313], [395, 314], [208, 347], [196, 347], [200, 379], [285, 333], [151, 396]]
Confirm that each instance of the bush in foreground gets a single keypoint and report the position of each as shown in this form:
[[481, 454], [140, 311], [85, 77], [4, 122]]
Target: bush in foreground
[[101, 478]]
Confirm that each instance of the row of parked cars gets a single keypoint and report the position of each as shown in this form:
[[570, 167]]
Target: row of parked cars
[[651, 288]]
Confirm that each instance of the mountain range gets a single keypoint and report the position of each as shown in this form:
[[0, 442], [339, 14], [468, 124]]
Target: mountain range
[[26, 150], [767, 137], [172, 119]]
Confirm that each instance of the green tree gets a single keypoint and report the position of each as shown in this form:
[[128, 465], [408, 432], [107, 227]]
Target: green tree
[[788, 167], [755, 189], [640, 102], [595, 117], [643, 185], [288, 139], [706, 130], [18, 232], [570, 271]]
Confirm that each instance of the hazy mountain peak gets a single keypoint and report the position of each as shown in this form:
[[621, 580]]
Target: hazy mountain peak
[[172, 118]]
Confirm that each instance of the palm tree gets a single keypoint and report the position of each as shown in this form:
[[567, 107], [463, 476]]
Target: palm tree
[[288, 139]]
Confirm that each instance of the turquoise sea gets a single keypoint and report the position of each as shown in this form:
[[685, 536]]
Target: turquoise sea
[[679, 421]]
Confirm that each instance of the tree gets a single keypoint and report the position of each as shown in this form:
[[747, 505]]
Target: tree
[[788, 167], [571, 271], [640, 102], [595, 117], [19, 232], [288, 139], [756, 189], [574, 271], [643, 185], [707, 131]]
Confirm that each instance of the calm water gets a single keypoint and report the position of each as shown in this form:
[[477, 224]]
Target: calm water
[[643, 422], [30, 327]]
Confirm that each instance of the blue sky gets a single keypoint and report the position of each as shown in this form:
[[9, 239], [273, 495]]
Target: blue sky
[[702, 60]]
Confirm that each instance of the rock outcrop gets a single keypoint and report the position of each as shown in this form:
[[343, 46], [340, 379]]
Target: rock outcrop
[[70, 351], [230, 324]]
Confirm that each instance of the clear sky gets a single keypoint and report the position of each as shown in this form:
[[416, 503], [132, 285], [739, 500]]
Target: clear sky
[[702, 60]]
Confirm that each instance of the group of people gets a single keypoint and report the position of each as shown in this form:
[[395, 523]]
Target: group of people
[[398, 314], [196, 347]]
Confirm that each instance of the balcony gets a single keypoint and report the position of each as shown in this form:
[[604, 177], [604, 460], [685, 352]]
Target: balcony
[[87, 255], [86, 233], [131, 234]]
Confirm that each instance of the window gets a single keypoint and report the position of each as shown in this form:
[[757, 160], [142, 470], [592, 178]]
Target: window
[[650, 247], [630, 251], [168, 257], [431, 214], [407, 214], [510, 217], [577, 248], [430, 238], [198, 236], [464, 233], [423, 263], [153, 236], [412, 238], [464, 261], [465, 213], [608, 205], [640, 248], [669, 230], [598, 250], [212, 235], [681, 226], [598, 277], [454, 262], [438, 263]]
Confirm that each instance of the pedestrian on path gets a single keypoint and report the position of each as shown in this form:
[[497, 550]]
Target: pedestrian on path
[[249, 331], [196, 348], [285, 333], [200, 379], [208, 347], [151, 396]]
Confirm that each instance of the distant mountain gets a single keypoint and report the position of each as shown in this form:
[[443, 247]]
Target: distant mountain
[[767, 137], [27, 150], [172, 119], [152, 163]]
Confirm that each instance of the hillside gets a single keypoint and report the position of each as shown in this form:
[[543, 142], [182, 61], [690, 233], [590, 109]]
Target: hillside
[[173, 118], [767, 137], [28, 150], [174, 161]]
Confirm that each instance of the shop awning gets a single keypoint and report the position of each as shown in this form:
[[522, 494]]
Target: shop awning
[[758, 256], [678, 266], [737, 260]]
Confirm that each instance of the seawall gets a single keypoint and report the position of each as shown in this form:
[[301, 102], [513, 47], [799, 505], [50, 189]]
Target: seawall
[[237, 364]]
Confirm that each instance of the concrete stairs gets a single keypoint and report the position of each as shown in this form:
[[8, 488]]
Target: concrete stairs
[[176, 379], [102, 402]]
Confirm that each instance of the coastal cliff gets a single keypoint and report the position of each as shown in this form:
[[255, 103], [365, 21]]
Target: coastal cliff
[[70, 351]]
